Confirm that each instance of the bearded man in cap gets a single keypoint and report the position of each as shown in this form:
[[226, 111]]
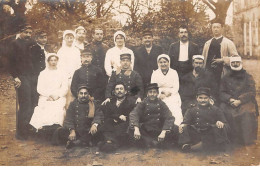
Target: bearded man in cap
[[83, 118], [237, 94], [131, 79], [151, 122], [195, 79], [203, 123], [146, 57], [80, 38], [89, 75]]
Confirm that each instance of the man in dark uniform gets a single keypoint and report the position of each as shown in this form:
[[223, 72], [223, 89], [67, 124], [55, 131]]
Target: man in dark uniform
[[237, 94], [82, 121], [38, 55], [181, 53], [21, 68], [89, 75], [203, 123], [116, 114], [146, 57], [131, 79], [191, 81], [151, 122]]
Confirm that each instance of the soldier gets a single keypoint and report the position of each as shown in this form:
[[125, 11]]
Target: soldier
[[116, 114], [129, 77], [89, 75], [237, 94], [82, 121], [151, 121], [80, 38], [203, 123]]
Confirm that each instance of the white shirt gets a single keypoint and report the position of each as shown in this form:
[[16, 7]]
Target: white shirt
[[148, 50], [184, 55]]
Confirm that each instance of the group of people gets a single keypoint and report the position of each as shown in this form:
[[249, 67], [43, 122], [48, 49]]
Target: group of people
[[91, 94]]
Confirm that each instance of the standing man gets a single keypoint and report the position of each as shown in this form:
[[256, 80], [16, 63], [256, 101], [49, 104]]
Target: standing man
[[146, 57], [21, 68], [217, 50], [38, 55], [80, 38], [181, 53]]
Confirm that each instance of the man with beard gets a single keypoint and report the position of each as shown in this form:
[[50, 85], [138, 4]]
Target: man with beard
[[38, 54], [181, 53], [21, 69], [89, 75], [116, 114], [151, 122], [80, 38], [195, 79], [203, 123], [146, 57], [81, 124], [237, 94]]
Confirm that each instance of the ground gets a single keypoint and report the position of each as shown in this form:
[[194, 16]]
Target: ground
[[39, 152]]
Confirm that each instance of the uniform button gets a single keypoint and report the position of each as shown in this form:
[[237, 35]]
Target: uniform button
[[198, 118], [158, 119], [148, 114], [159, 108]]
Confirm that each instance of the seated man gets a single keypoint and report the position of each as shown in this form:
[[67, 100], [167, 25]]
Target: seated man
[[203, 123], [81, 123], [151, 121], [89, 75], [116, 114], [191, 81], [131, 79], [237, 93]]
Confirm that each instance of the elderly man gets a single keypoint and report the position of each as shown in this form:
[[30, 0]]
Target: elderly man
[[89, 75], [199, 77], [21, 69], [203, 123], [181, 52], [131, 78], [116, 114], [80, 38], [82, 120], [146, 57], [237, 93], [151, 121]]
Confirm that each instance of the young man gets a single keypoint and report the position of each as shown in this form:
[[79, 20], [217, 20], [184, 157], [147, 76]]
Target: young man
[[82, 120], [89, 75], [151, 121], [80, 38], [203, 123], [116, 123]]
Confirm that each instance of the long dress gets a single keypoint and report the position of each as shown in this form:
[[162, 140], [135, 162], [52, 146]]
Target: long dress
[[169, 83], [47, 113]]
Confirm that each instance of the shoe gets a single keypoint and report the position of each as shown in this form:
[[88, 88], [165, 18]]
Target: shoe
[[186, 148], [21, 137], [69, 144]]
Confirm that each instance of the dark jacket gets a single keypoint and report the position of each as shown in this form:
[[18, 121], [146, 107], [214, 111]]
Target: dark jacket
[[146, 63], [174, 52], [133, 83], [77, 117], [152, 115], [38, 58]]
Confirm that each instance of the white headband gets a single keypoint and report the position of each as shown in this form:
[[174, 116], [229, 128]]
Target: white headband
[[197, 57]]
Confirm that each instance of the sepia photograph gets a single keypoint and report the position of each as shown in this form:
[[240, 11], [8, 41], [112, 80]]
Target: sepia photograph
[[129, 82]]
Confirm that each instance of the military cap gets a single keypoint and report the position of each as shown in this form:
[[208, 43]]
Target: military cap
[[152, 86], [147, 32], [203, 90], [125, 56]]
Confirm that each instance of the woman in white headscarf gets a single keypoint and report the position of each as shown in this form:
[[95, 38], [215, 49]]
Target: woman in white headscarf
[[69, 59], [112, 59], [168, 83], [52, 87]]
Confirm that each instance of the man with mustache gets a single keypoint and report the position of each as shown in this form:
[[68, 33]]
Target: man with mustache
[[181, 52], [204, 124], [116, 114], [80, 38], [89, 75], [83, 118], [21, 69], [195, 79], [151, 122], [237, 94]]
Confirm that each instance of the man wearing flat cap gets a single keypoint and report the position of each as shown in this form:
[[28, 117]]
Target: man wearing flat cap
[[203, 123], [80, 38], [151, 122], [146, 57], [131, 79], [89, 75], [82, 121], [198, 77], [237, 94]]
